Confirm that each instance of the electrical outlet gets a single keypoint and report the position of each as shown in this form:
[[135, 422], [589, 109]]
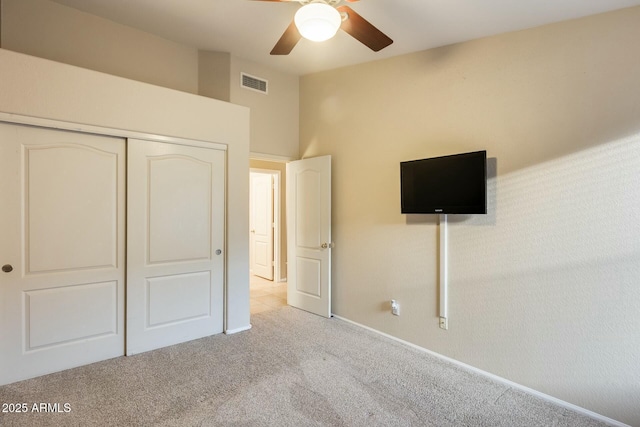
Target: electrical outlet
[[444, 323], [395, 308]]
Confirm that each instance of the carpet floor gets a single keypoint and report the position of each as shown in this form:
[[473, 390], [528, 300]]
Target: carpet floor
[[291, 369]]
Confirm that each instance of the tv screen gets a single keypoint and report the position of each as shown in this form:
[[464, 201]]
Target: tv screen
[[455, 184]]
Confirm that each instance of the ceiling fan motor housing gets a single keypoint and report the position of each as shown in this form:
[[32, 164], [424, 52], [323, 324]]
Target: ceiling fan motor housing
[[317, 21]]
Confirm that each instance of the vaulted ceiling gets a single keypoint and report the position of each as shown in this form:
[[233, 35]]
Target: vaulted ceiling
[[249, 29]]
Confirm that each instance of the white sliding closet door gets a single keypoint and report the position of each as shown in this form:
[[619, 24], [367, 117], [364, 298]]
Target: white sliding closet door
[[62, 198], [175, 264]]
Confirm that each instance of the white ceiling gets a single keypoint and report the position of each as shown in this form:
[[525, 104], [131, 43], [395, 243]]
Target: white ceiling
[[249, 29]]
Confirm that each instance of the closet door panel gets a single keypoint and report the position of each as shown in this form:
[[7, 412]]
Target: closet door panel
[[175, 242], [179, 209], [70, 207], [63, 213]]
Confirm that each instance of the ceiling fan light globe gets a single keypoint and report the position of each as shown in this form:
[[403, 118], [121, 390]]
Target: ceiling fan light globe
[[317, 21]]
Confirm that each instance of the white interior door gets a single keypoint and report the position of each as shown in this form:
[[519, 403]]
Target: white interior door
[[175, 264], [262, 225], [309, 235], [62, 248]]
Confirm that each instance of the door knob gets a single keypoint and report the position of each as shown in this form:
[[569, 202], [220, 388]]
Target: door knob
[[218, 251], [326, 245], [7, 268]]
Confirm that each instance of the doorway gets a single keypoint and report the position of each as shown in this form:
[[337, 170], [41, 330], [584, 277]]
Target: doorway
[[264, 223], [308, 210], [268, 250]]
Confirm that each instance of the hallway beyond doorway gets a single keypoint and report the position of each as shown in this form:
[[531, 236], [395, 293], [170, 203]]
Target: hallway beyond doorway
[[266, 295]]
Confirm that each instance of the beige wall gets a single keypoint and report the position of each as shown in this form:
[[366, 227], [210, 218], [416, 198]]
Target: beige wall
[[49, 30], [544, 289], [214, 70], [53, 31], [282, 168], [274, 117]]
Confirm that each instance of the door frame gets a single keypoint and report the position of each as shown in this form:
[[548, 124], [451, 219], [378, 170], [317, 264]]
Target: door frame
[[277, 219]]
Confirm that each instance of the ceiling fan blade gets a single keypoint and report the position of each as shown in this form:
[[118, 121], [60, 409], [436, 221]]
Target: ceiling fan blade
[[287, 41], [363, 31]]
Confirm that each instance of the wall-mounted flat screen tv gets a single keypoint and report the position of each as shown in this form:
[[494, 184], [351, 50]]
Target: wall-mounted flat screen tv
[[455, 184]]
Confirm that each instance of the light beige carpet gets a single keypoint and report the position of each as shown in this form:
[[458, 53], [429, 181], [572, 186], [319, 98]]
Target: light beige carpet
[[291, 369]]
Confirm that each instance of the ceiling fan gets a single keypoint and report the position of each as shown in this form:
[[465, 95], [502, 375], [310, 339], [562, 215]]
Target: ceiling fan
[[319, 20]]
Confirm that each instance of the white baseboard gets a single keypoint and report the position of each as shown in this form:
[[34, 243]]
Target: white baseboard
[[236, 330], [497, 378]]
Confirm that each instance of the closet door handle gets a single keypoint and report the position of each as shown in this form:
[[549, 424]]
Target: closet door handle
[[7, 268]]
